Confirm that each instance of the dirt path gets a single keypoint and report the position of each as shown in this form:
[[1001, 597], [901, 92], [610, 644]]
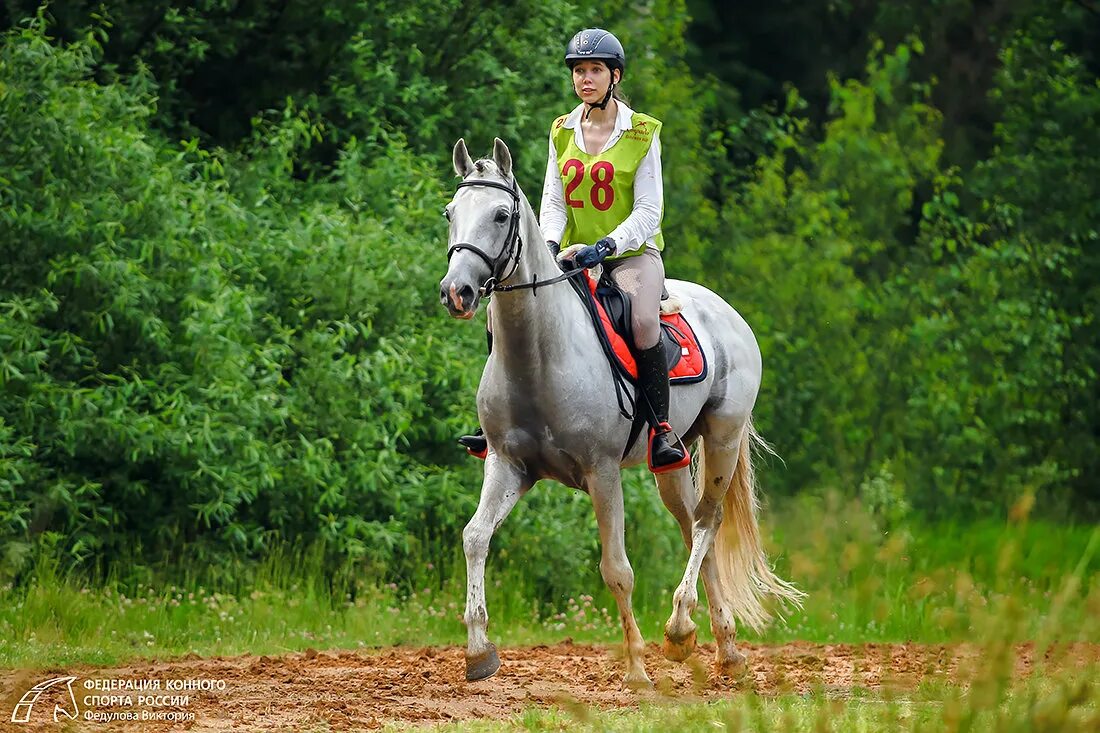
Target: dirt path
[[366, 689]]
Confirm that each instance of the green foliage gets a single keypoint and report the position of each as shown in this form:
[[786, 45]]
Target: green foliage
[[220, 241], [1041, 195], [198, 365], [422, 73], [935, 340], [871, 577]]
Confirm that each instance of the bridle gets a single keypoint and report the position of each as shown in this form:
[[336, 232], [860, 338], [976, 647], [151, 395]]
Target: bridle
[[512, 250]]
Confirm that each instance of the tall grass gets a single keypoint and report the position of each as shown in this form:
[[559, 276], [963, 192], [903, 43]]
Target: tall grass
[[1063, 702], [867, 580]]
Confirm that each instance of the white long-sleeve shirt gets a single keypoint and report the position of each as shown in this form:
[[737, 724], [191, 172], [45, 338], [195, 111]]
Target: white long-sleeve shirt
[[644, 222]]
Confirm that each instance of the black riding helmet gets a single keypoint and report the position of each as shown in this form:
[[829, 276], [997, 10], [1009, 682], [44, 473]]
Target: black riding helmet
[[596, 44]]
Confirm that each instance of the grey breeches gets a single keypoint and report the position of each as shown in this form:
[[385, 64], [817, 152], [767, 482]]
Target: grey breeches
[[643, 279]]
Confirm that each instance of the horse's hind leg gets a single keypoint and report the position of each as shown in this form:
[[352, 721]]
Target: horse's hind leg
[[729, 661], [720, 460], [606, 491], [502, 488], [678, 493]]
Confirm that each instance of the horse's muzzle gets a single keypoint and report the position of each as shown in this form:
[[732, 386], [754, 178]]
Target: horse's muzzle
[[461, 300]]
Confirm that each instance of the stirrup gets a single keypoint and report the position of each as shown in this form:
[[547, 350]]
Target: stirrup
[[681, 450], [476, 445]]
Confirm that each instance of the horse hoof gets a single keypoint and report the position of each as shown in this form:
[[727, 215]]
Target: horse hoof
[[482, 666], [735, 666], [678, 651], [638, 684]]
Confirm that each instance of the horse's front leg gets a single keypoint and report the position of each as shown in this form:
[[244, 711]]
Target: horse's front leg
[[606, 489], [502, 488]]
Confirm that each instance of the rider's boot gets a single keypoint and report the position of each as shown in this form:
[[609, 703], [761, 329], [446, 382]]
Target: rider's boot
[[666, 451], [476, 445]]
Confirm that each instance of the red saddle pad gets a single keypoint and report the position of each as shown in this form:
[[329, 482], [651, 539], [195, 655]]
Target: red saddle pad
[[692, 366]]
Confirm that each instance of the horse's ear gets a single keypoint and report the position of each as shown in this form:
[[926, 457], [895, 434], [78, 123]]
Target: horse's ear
[[462, 160], [502, 157]]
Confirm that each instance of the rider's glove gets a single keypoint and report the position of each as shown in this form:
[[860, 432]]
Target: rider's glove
[[594, 254]]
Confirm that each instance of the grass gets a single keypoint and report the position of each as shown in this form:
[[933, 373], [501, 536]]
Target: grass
[[919, 582], [1065, 704], [868, 579]]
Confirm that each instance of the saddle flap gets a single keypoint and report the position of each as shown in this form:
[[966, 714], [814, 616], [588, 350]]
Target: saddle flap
[[617, 306], [609, 309]]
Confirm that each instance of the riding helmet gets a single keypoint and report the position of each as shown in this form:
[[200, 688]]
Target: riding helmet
[[596, 43]]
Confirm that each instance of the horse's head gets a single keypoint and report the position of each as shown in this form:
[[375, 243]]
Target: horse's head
[[484, 228]]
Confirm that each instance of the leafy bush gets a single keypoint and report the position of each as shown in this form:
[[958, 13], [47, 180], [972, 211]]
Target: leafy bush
[[215, 345]]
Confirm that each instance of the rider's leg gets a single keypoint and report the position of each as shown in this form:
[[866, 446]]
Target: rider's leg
[[642, 279], [475, 444]]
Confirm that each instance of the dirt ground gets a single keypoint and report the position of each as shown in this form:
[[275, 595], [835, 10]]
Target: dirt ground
[[344, 690]]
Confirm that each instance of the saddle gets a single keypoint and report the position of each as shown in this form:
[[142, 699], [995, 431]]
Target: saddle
[[610, 309]]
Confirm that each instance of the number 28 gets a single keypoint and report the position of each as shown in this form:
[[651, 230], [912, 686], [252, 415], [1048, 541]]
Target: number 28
[[602, 172]]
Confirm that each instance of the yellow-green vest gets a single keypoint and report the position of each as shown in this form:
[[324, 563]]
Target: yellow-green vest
[[599, 189]]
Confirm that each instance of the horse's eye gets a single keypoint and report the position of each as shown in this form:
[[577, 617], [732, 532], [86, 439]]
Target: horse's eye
[[447, 214], [501, 217]]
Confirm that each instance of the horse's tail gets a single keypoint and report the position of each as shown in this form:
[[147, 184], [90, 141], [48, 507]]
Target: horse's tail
[[738, 550]]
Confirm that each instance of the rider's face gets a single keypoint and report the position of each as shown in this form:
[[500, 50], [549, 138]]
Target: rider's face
[[591, 80]]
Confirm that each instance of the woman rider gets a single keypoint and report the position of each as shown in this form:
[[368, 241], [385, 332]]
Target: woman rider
[[603, 186]]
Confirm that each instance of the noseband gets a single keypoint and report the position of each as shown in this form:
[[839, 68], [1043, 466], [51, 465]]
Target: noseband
[[512, 250]]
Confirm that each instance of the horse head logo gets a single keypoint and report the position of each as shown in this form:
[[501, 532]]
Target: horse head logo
[[22, 711]]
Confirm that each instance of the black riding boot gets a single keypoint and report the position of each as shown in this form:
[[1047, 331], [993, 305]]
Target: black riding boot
[[475, 444], [666, 451]]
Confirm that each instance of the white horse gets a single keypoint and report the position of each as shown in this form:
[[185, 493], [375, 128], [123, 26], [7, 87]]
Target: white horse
[[548, 408]]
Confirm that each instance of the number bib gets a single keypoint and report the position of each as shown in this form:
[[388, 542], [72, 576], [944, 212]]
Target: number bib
[[599, 189]]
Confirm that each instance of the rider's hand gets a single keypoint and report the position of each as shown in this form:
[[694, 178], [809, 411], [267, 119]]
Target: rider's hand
[[594, 254], [565, 257]]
